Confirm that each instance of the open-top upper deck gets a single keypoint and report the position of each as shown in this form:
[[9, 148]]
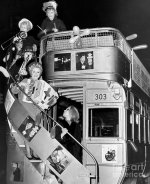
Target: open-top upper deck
[[97, 37], [99, 53]]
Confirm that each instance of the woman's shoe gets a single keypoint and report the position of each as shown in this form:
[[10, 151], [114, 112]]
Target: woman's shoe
[[30, 158], [35, 158]]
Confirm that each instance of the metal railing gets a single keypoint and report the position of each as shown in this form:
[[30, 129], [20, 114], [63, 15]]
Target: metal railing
[[98, 37]]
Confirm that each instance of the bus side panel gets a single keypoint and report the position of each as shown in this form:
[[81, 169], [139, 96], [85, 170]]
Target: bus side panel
[[111, 159]]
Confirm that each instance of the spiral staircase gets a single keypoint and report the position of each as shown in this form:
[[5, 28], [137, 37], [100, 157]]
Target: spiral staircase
[[44, 168]]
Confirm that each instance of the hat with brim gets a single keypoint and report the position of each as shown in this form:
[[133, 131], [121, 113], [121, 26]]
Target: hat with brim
[[26, 21], [29, 49], [49, 5]]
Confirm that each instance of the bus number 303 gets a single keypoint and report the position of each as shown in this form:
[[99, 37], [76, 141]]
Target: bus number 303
[[100, 96]]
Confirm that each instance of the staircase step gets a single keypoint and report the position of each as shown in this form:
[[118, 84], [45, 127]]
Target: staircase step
[[34, 160], [92, 176]]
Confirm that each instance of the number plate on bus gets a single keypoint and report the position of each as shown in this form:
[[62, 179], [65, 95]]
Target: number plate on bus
[[97, 96]]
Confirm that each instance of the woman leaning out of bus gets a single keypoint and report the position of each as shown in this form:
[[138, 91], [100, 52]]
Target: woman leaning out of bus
[[70, 123]]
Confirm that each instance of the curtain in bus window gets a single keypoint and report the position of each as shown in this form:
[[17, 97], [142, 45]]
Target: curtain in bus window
[[103, 122]]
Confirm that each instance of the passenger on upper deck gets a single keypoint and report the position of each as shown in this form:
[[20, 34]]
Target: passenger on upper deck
[[51, 24]]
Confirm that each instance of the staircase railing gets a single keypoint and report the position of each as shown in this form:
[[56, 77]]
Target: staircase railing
[[45, 113]]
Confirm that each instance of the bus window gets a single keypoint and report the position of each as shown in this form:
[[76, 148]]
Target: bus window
[[129, 124], [142, 127], [146, 129], [104, 122], [136, 126]]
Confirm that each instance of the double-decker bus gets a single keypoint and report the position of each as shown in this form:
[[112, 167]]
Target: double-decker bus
[[101, 74]]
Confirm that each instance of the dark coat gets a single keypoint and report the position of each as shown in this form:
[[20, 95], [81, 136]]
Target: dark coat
[[49, 25], [29, 41], [75, 130]]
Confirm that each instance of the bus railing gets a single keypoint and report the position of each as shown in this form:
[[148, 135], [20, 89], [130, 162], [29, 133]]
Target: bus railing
[[98, 37]]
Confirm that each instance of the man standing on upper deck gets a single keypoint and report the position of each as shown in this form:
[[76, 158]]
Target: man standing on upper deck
[[51, 24]]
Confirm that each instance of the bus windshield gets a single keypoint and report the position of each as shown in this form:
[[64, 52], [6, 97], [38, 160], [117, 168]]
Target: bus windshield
[[103, 122]]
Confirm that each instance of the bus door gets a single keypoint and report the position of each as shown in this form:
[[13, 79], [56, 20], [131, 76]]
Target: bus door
[[104, 130]]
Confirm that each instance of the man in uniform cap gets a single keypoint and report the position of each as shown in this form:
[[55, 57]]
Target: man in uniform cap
[[51, 24]]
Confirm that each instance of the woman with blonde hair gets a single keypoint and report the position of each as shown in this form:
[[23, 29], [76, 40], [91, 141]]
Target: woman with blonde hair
[[71, 114], [70, 123], [34, 90]]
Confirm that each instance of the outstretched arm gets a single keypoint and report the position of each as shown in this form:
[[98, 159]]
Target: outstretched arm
[[4, 71]]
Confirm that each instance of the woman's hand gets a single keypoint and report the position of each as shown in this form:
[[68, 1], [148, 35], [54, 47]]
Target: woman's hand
[[64, 131], [55, 30]]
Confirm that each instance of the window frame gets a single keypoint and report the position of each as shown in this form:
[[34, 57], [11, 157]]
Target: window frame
[[102, 107]]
